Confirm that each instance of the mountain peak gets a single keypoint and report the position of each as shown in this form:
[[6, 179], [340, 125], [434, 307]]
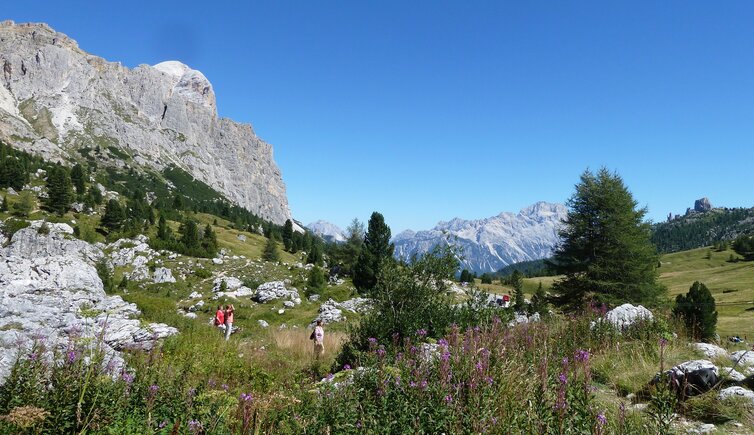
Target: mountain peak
[[327, 231]]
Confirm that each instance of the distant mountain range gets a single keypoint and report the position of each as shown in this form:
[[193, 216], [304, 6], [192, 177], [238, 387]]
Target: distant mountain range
[[490, 244], [328, 231]]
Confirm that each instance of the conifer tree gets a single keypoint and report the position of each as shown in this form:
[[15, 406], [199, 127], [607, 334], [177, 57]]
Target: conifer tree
[[466, 276], [25, 204], [316, 279], [288, 235], [4, 205], [59, 190], [78, 178], [315, 255], [114, 216], [94, 193], [123, 283], [163, 230], [539, 300], [105, 275], [14, 174], [606, 255], [375, 251], [190, 235], [744, 246], [352, 247], [270, 252], [697, 310], [209, 241], [517, 281]]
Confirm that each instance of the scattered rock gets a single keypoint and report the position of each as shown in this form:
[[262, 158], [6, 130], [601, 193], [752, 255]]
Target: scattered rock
[[523, 318], [263, 324], [692, 377], [329, 312], [732, 374], [78, 207], [289, 304], [281, 311], [12, 192], [231, 283], [217, 260], [626, 315], [729, 392], [313, 298], [710, 350], [196, 306], [163, 274], [274, 290], [357, 305], [702, 429], [195, 295], [242, 237], [743, 357]]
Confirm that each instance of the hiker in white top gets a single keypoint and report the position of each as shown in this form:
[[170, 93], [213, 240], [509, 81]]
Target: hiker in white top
[[319, 340]]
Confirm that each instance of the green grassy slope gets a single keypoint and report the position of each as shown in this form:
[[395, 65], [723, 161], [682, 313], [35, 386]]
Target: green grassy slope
[[731, 283]]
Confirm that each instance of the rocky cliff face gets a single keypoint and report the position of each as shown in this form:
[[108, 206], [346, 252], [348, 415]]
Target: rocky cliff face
[[327, 231], [489, 244], [56, 99]]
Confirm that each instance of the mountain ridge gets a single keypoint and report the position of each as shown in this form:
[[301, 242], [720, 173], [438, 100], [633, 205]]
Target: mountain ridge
[[57, 100], [491, 243]]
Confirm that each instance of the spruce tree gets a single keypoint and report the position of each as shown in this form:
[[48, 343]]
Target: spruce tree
[[315, 255], [209, 241], [59, 190], [539, 301], [606, 255], [517, 281], [466, 276], [288, 235], [163, 230], [15, 175], [114, 216], [78, 178], [105, 275], [744, 246], [352, 247], [697, 310], [486, 278], [375, 251], [270, 252], [316, 279], [190, 236]]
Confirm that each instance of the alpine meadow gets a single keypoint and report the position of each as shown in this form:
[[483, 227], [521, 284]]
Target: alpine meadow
[[157, 275]]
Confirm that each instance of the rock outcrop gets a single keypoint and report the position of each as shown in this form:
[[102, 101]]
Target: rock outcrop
[[488, 245], [702, 205], [56, 99], [626, 315], [49, 288]]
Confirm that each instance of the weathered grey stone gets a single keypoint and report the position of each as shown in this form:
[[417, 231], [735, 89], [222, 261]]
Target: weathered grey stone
[[730, 392], [163, 274], [710, 350], [329, 312], [231, 283], [743, 357], [159, 115], [263, 323], [242, 237], [626, 315], [274, 290], [702, 204]]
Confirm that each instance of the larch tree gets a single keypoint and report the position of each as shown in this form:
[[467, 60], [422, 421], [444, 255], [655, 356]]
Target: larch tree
[[605, 254]]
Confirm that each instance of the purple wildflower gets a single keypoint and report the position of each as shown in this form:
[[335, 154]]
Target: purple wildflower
[[153, 388], [423, 385], [224, 387], [71, 356], [601, 419], [563, 378], [381, 352], [421, 332], [581, 355], [442, 342], [445, 356], [412, 384], [128, 378], [448, 399], [347, 367], [489, 380], [372, 340], [246, 397]]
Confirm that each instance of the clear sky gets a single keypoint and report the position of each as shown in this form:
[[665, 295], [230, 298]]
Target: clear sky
[[426, 111]]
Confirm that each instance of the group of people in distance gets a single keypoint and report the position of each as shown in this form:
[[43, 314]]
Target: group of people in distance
[[224, 321]]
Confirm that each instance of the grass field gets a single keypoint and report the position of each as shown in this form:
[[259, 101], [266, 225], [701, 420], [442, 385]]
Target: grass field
[[731, 284]]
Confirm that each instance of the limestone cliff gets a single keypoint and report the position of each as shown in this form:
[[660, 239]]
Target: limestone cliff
[[56, 99]]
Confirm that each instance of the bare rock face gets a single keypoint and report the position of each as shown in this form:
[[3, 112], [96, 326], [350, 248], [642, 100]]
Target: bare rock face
[[50, 290], [56, 99], [703, 204]]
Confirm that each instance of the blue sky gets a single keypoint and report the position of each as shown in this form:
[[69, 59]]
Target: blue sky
[[426, 111]]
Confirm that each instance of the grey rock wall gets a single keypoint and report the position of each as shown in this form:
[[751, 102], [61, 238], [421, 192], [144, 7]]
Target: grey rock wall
[[55, 98]]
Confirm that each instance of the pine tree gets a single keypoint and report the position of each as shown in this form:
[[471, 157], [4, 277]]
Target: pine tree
[[78, 178], [466, 276], [59, 190], [14, 174], [517, 281], [315, 255], [270, 252], [4, 205], [209, 241], [95, 195], [539, 300], [114, 216], [606, 255], [744, 246], [288, 235], [352, 247], [486, 278], [316, 279], [375, 251], [697, 310], [190, 235], [163, 230], [105, 275]]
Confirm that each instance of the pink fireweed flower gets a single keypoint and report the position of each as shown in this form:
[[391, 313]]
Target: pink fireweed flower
[[563, 378], [421, 332], [448, 399], [581, 355]]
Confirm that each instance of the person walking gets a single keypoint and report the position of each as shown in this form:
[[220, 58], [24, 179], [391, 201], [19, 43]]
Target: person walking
[[220, 318], [228, 320], [318, 335]]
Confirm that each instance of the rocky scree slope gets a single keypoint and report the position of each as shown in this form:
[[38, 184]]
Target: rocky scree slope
[[59, 101], [490, 244], [50, 291]]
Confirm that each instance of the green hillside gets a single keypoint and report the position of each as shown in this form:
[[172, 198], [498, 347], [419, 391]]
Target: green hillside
[[731, 283]]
